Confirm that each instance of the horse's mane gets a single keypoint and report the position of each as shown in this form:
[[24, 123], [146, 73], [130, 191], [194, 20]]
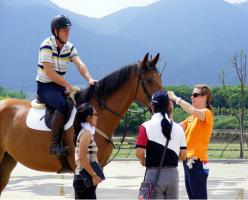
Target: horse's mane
[[106, 86]]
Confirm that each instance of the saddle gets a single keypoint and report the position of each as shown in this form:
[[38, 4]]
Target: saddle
[[49, 112]]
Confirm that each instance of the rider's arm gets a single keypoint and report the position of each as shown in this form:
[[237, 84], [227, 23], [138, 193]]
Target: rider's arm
[[82, 68], [53, 75]]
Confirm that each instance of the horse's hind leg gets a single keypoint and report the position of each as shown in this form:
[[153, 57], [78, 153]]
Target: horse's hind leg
[[6, 166]]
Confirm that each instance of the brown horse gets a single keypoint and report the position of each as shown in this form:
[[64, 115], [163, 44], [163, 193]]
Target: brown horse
[[111, 97]]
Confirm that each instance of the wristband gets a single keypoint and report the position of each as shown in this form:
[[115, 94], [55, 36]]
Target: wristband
[[178, 99]]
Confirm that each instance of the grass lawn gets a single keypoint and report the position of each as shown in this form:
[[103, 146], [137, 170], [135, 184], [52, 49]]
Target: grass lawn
[[214, 152]]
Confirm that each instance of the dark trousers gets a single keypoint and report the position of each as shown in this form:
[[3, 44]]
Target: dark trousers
[[196, 180], [53, 95], [81, 192]]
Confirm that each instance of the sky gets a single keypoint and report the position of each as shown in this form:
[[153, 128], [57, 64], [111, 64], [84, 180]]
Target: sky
[[236, 1], [100, 8]]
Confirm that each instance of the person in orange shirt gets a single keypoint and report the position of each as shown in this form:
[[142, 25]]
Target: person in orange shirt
[[198, 129]]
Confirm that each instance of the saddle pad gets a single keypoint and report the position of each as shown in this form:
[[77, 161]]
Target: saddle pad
[[35, 122]]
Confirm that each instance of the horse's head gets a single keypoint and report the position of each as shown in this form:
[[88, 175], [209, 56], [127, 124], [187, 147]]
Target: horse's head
[[149, 80], [146, 74]]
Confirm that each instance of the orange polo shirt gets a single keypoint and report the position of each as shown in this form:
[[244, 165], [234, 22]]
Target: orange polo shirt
[[198, 134]]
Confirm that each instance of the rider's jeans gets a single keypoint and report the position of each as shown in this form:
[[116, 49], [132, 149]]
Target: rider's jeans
[[53, 95]]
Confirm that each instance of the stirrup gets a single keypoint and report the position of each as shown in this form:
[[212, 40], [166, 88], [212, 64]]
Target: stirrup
[[58, 151], [65, 150]]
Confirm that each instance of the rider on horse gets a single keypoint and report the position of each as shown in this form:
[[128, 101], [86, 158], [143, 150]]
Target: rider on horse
[[54, 55]]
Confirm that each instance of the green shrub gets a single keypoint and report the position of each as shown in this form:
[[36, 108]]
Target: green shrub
[[225, 122], [4, 93]]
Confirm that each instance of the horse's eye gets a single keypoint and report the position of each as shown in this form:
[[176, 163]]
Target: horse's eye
[[149, 81]]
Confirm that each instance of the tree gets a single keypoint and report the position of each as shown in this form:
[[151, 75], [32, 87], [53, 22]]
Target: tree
[[5, 93], [239, 63]]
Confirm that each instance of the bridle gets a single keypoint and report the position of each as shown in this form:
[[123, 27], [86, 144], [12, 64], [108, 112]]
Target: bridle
[[141, 80], [139, 72]]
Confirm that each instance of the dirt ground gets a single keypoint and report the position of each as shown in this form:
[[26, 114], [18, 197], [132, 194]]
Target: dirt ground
[[226, 181]]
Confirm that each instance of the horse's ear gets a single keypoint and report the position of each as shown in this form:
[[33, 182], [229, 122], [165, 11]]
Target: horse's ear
[[155, 59], [144, 61]]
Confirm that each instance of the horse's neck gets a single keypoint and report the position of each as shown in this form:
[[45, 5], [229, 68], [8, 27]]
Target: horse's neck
[[119, 102]]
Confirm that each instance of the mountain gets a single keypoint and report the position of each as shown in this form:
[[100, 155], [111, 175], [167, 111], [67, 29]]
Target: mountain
[[27, 25], [195, 38]]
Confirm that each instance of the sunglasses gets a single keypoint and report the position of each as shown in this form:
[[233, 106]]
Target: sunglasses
[[196, 94]]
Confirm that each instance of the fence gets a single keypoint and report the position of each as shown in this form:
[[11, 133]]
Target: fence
[[217, 150]]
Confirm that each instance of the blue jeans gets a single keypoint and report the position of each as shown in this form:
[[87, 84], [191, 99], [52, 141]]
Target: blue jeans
[[196, 180], [52, 95]]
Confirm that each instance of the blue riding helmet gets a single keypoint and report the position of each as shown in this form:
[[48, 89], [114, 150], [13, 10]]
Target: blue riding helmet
[[160, 97]]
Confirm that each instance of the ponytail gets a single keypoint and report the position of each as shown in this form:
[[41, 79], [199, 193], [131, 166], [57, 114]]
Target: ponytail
[[166, 127], [161, 104]]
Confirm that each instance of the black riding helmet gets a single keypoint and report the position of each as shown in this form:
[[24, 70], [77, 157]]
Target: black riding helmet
[[58, 22]]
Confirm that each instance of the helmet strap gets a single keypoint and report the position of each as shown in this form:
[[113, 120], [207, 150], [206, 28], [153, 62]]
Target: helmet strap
[[57, 37]]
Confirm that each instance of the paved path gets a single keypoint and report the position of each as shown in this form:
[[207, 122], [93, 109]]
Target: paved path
[[226, 181]]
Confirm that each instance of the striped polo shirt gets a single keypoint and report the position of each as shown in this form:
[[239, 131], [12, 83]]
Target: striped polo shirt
[[60, 59], [92, 148], [152, 139]]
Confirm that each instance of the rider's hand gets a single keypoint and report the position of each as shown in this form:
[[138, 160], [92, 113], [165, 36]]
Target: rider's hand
[[96, 180], [92, 81], [68, 89]]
